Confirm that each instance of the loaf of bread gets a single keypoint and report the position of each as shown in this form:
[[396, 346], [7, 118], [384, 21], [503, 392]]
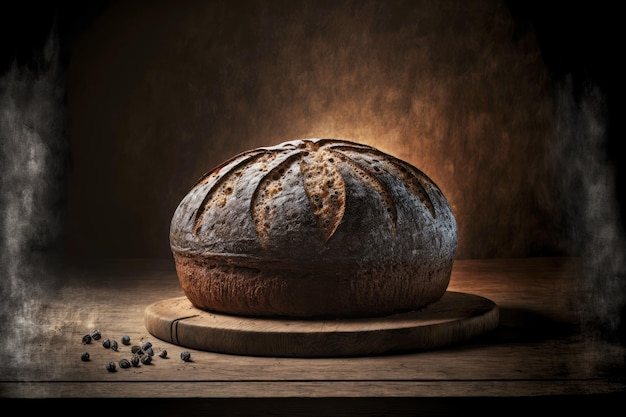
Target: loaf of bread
[[314, 228]]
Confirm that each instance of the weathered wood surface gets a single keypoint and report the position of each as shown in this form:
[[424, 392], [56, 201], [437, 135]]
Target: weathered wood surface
[[457, 317], [536, 350]]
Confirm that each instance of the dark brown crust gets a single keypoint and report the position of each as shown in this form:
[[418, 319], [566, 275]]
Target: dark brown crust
[[315, 227], [226, 288]]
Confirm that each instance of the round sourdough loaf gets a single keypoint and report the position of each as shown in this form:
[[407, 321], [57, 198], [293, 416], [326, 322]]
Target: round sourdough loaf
[[314, 228]]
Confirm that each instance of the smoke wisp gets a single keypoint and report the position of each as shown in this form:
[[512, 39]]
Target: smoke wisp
[[593, 214], [32, 148]]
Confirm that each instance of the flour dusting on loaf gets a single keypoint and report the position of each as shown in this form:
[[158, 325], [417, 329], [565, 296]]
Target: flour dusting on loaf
[[314, 227]]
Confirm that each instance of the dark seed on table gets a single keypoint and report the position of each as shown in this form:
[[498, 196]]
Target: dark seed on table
[[124, 363], [96, 335], [86, 339], [146, 345], [149, 351], [114, 345], [84, 357], [163, 353], [111, 367], [186, 356], [136, 350], [135, 361], [126, 339], [106, 343], [146, 360]]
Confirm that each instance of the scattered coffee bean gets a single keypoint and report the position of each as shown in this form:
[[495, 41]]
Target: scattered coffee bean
[[141, 354]]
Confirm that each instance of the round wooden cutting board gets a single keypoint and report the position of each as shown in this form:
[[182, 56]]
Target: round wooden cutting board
[[455, 318]]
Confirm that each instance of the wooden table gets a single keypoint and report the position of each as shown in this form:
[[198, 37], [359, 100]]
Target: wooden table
[[537, 354]]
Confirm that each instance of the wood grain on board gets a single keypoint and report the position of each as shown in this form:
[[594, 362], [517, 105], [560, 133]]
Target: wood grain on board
[[455, 318]]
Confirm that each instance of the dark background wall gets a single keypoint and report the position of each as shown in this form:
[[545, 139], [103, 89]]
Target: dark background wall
[[112, 110]]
